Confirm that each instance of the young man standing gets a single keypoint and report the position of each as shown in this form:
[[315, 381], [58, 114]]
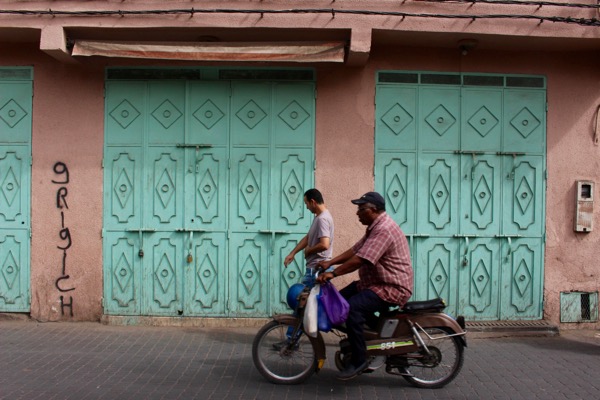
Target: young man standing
[[318, 243]]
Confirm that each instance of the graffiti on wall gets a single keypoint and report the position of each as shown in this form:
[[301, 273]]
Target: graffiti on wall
[[62, 282]]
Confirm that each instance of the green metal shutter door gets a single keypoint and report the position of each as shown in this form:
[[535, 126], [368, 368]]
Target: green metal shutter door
[[221, 168], [15, 197], [477, 240]]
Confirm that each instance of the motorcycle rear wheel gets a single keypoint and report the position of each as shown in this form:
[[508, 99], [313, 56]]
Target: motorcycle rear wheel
[[288, 365], [439, 368]]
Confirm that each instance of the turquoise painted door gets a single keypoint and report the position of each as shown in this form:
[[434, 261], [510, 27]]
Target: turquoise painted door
[[462, 168], [221, 170], [15, 185]]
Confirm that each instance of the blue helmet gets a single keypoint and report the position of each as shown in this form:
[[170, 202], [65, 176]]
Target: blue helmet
[[293, 293]]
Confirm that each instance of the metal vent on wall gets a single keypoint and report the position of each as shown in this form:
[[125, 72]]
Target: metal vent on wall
[[467, 79], [16, 74], [579, 306], [210, 74]]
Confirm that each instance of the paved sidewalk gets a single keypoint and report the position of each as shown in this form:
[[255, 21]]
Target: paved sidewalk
[[94, 361]]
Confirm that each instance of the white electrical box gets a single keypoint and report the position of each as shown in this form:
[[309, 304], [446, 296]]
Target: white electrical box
[[584, 208]]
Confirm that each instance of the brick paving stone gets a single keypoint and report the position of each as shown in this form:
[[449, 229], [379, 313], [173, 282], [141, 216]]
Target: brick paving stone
[[89, 361]]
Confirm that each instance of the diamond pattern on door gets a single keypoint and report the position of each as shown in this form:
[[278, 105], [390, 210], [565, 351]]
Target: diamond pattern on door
[[250, 172], [165, 189], [249, 288], [293, 115], [12, 113], [439, 278], [10, 289], [251, 114], [10, 187], [123, 252], [440, 120], [483, 121], [397, 118], [166, 114], [10, 271], [208, 114], [525, 122], [124, 114]]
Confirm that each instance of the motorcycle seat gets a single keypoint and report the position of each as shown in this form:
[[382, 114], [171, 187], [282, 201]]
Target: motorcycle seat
[[434, 304]]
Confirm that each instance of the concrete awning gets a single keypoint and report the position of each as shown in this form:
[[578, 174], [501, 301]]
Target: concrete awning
[[218, 51]]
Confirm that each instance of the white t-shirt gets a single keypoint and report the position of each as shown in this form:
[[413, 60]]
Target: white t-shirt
[[322, 226]]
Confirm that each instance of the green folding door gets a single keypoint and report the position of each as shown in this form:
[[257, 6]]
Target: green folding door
[[461, 161], [203, 195], [15, 188]]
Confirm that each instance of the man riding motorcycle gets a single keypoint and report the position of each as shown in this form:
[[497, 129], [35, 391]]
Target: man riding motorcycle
[[382, 258]]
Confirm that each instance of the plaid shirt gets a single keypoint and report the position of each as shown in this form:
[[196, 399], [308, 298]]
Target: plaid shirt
[[388, 271]]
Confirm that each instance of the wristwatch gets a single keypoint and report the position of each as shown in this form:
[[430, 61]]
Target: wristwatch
[[334, 273]]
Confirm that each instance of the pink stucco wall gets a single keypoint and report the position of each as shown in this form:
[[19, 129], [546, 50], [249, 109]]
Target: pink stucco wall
[[68, 127], [68, 121]]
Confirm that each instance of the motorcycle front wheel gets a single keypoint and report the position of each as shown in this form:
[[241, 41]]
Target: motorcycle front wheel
[[280, 359], [441, 365]]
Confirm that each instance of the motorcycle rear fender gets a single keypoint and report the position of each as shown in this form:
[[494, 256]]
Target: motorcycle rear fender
[[318, 342], [438, 320]]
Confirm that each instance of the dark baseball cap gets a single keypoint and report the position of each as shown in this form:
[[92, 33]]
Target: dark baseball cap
[[371, 197]]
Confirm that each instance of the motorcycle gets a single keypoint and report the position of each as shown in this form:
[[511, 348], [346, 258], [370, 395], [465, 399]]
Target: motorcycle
[[419, 342]]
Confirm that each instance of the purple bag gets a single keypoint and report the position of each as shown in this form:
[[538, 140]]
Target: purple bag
[[335, 305]]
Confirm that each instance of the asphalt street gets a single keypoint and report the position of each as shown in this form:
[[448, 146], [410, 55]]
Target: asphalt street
[[94, 361]]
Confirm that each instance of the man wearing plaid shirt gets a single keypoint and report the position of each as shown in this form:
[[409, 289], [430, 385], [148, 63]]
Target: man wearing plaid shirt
[[382, 258]]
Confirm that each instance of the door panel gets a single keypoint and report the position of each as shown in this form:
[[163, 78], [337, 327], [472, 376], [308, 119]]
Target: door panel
[[14, 270], [293, 114], [208, 115], [397, 183], [249, 287], [439, 119], [15, 112], [14, 187], [205, 189], [162, 273], [123, 183], [166, 167], [437, 196], [523, 196], [524, 121], [282, 278], [481, 122], [479, 279], [522, 278], [122, 273], [205, 275], [125, 113], [251, 114], [436, 270], [396, 118], [480, 195], [166, 107], [250, 189], [291, 173]]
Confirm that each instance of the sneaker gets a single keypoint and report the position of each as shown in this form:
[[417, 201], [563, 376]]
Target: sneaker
[[351, 371], [285, 344]]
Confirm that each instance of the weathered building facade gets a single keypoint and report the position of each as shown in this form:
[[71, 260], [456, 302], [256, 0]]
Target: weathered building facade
[[153, 155]]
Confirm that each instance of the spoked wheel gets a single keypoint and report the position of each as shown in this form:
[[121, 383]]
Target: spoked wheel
[[279, 361], [441, 366]]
